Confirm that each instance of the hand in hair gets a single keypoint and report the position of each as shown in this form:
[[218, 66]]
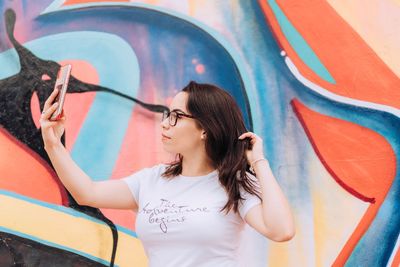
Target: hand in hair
[[255, 153]]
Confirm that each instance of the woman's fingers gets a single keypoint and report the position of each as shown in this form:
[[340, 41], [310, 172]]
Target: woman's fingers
[[62, 115], [47, 112], [51, 123], [248, 134], [50, 100], [243, 136]]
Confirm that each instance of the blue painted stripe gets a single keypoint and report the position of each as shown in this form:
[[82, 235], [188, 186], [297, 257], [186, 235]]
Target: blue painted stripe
[[51, 244], [65, 210], [300, 45], [250, 87], [97, 147]]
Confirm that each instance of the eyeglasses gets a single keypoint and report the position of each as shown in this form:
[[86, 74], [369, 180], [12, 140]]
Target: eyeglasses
[[174, 116]]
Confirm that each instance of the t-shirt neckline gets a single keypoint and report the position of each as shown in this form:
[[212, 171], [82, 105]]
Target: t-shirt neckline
[[213, 173]]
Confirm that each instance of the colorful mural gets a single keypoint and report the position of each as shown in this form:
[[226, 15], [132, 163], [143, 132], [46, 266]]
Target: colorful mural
[[313, 78]]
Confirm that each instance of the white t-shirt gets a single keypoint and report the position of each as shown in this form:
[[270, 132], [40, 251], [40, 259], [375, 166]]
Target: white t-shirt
[[179, 220]]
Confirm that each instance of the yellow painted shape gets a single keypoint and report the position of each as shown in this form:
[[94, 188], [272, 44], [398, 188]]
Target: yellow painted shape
[[336, 214], [278, 255], [91, 237]]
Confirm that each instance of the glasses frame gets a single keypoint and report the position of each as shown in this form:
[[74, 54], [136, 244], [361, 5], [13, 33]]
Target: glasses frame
[[179, 115]]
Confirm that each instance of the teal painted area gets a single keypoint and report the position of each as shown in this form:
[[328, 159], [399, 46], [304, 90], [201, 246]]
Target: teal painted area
[[298, 43], [10, 59], [65, 210]]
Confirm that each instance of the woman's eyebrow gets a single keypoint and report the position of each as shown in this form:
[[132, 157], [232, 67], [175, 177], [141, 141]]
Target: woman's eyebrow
[[177, 109]]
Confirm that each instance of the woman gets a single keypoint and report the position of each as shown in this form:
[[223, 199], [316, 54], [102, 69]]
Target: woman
[[190, 212]]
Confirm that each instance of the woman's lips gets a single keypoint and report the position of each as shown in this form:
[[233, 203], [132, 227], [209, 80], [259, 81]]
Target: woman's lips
[[165, 137]]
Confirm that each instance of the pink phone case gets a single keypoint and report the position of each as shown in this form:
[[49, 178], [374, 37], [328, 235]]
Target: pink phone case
[[62, 85]]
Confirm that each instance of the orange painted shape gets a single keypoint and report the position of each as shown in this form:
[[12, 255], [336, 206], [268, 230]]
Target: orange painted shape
[[358, 71], [35, 109], [124, 218], [23, 172], [359, 159], [76, 106], [82, 70], [396, 259]]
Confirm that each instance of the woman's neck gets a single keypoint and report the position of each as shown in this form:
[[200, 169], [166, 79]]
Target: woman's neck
[[196, 165]]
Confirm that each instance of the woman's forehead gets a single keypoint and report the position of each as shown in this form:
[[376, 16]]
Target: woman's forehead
[[179, 101]]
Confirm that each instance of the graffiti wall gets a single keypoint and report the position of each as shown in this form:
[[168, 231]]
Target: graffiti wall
[[317, 80]]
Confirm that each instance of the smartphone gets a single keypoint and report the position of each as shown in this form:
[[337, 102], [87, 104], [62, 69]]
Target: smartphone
[[62, 85]]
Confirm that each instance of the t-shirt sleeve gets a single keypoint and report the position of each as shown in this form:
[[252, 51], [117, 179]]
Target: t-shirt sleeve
[[250, 200], [136, 180]]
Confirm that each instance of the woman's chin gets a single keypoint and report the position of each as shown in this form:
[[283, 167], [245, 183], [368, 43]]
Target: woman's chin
[[168, 148]]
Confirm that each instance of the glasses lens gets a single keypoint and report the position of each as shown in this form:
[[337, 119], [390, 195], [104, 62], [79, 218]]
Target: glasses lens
[[173, 117], [165, 115]]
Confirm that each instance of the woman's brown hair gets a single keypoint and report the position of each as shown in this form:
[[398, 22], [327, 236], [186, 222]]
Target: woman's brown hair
[[218, 114]]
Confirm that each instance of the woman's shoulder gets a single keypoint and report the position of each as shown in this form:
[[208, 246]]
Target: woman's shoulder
[[159, 169], [155, 170]]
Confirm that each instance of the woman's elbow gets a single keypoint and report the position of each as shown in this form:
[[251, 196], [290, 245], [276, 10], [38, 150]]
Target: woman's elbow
[[284, 236], [83, 201]]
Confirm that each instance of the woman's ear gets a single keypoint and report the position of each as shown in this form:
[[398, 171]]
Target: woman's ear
[[203, 135]]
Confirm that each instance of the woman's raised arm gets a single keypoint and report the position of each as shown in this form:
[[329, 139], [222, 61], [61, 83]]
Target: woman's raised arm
[[105, 194]]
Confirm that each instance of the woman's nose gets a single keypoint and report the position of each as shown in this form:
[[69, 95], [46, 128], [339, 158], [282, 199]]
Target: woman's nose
[[165, 123]]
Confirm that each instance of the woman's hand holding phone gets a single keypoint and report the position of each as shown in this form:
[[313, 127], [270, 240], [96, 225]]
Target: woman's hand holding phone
[[51, 130], [52, 119], [61, 85]]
